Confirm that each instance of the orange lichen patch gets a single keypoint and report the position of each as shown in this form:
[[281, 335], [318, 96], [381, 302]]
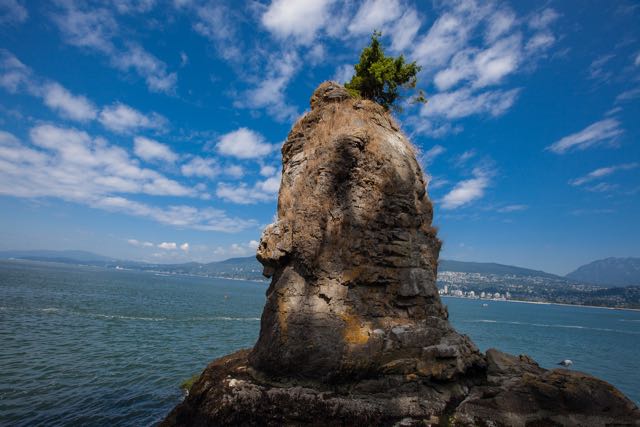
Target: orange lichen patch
[[283, 317], [355, 331], [351, 275]]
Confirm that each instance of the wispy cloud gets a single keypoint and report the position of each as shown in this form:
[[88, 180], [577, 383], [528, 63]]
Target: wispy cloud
[[468, 190], [471, 50], [512, 208], [96, 29], [120, 118], [244, 194], [299, 21], [71, 165], [268, 92], [180, 216], [464, 102], [429, 156], [601, 132], [12, 12], [374, 15], [602, 172]]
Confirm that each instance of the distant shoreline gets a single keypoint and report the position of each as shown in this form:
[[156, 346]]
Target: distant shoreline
[[542, 303], [266, 281]]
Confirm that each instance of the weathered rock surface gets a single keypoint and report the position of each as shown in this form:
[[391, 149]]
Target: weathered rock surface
[[353, 331]]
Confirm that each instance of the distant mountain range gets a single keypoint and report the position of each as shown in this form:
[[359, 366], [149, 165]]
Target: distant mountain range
[[597, 283], [609, 272]]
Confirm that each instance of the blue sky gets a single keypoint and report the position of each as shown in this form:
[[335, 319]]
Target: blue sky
[[151, 129]]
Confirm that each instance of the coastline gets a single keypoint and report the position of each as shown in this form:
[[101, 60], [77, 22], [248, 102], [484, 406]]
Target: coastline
[[543, 303]]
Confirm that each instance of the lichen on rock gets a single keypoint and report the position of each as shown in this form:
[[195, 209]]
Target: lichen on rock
[[354, 331]]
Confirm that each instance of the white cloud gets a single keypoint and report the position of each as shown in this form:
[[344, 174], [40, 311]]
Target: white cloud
[[445, 37], [154, 71], [184, 247], [76, 107], [262, 191], [637, 60], [467, 191], [91, 29], [602, 172], [121, 118], [471, 46], [295, 19], [243, 143], [133, 6], [269, 92], [12, 12], [602, 187], [430, 155], [374, 15], [543, 19], [465, 102], [237, 249], [482, 68], [512, 208], [268, 170], [234, 171], [543, 38], [601, 132], [597, 68], [71, 165], [135, 242], [343, 73], [150, 150], [628, 95], [404, 30], [499, 24], [168, 246], [200, 166], [8, 140], [465, 157], [215, 22], [96, 29], [316, 54], [17, 77], [181, 216], [14, 75]]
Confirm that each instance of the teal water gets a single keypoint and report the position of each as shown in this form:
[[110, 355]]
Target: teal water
[[87, 346]]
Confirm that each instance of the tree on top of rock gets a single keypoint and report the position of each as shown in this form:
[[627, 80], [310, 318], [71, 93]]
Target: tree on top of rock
[[380, 78]]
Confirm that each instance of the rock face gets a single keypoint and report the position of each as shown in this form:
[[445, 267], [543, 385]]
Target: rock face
[[353, 331]]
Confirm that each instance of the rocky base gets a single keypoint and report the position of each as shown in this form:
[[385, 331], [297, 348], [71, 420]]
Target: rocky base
[[512, 391]]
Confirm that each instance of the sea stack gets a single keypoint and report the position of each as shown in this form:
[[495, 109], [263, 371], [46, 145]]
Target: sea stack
[[353, 331]]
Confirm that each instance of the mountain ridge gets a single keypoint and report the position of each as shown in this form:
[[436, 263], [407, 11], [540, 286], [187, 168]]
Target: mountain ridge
[[611, 271], [67, 256]]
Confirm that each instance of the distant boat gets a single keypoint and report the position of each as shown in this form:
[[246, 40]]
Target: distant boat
[[485, 305], [566, 363]]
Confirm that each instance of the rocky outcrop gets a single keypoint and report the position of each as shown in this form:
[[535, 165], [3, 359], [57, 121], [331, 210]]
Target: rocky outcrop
[[353, 331]]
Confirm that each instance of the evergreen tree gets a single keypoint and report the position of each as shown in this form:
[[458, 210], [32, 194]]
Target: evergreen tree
[[380, 78]]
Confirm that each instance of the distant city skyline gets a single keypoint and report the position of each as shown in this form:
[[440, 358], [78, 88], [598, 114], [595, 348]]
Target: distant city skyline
[[151, 130]]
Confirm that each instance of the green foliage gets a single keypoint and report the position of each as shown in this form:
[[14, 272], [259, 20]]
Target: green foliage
[[380, 78], [188, 383]]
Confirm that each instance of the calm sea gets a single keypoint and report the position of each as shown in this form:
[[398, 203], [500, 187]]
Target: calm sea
[[87, 346]]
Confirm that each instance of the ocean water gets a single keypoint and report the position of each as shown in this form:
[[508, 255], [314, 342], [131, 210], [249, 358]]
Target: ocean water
[[87, 346]]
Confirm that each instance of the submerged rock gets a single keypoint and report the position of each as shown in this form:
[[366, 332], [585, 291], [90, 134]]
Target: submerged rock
[[353, 331]]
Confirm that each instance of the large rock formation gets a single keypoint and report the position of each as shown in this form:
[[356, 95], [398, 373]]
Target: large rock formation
[[354, 332]]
